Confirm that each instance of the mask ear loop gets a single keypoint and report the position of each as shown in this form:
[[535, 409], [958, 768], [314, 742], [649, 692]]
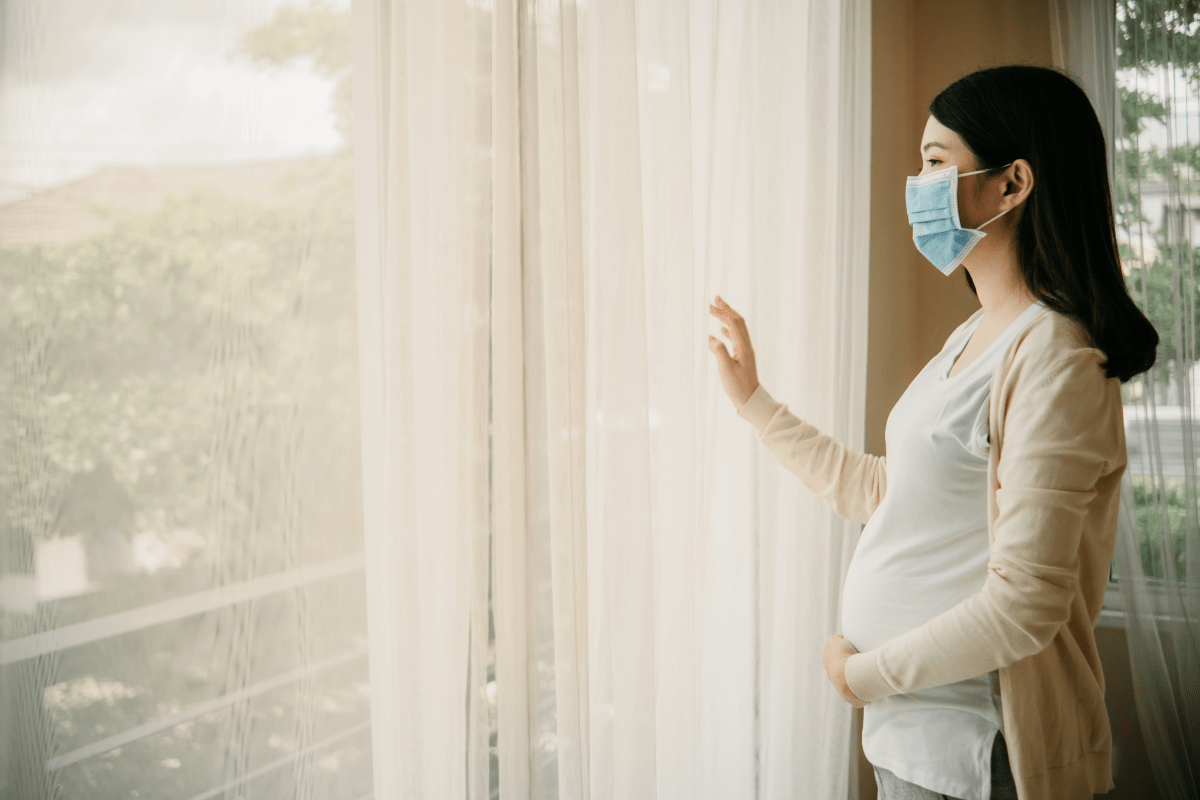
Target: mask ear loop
[[987, 169], [1002, 213], [998, 216]]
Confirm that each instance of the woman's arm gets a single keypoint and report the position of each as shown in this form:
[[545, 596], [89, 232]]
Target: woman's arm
[[1062, 453], [852, 482]]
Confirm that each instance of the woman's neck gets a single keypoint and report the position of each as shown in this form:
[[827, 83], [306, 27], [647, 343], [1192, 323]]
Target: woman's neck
[[998, 282]]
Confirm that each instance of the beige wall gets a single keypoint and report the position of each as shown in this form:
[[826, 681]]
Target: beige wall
[[920, 47]]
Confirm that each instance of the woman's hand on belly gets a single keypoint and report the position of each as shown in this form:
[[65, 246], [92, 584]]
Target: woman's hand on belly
[[837, 650]]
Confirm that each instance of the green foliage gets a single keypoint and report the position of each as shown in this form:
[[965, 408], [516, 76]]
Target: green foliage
[[1137, 107], [1162, 527], [152, 340], [1153, 33], [1155, 290], [318, 35]]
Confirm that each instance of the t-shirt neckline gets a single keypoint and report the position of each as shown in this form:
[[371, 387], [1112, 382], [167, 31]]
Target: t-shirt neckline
[[944, 375]]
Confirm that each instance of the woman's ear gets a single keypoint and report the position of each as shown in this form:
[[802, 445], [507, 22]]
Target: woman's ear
[[1018, 181]]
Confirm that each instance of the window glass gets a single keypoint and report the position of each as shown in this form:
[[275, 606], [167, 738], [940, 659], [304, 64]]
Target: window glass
[[1157, 197], [182, 612]]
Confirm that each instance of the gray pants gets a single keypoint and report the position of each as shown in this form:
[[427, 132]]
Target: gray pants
[[1003, 785]]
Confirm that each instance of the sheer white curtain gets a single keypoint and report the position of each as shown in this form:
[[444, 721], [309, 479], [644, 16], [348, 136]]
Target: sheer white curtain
[[580, 562], [1156, 73]]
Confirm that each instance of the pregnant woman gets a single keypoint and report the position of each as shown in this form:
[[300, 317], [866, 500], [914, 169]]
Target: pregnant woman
[[969, 606]]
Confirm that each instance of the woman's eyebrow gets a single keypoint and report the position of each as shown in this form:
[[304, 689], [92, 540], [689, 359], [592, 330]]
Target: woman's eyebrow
[[928, 145]]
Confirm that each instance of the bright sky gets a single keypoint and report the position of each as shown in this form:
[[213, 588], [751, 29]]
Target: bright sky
[[87, 83]]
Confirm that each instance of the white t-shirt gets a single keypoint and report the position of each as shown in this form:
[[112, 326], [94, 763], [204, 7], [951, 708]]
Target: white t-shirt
[[923, 551]]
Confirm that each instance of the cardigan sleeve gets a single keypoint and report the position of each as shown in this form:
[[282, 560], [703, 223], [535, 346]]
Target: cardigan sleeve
[[1061, 438], [853, 483]]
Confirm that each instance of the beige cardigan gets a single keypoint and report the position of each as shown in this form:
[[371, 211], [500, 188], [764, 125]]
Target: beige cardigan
[[1055, 463]]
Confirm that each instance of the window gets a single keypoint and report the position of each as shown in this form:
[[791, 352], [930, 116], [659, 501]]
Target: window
[[1157, 197], [181, 602]]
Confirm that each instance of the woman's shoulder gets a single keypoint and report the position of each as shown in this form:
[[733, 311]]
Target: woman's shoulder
[[1051, 384], [1051, 333], [1053, 343]]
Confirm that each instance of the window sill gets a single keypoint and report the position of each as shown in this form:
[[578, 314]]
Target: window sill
[[1112, 613]]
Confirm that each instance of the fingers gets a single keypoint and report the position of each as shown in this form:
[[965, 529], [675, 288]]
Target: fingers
[[728, 311], [724, 310], [735, 321], [712, 340], [735, 324]]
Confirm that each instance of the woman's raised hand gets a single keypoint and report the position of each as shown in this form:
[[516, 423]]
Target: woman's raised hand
[[739, 374]]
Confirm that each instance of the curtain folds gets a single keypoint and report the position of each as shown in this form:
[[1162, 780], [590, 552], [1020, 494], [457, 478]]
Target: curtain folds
[[586, 579], [423, 256], [1161, 607]]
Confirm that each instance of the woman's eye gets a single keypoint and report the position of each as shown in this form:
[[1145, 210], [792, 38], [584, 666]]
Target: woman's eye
[[932, 161]]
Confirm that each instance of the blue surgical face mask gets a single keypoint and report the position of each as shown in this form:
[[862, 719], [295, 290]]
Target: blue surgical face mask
[[932, 202]]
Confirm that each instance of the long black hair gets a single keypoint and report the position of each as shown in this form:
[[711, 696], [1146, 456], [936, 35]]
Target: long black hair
[[1066, 236]]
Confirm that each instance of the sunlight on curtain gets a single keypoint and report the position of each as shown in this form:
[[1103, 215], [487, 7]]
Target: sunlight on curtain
[[181, 553], [1141, 59], [585, 578]]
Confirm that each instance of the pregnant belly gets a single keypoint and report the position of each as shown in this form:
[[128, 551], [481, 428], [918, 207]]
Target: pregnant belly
[[884, 599]]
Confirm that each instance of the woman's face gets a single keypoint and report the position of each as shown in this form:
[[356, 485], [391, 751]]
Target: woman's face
[[942, 148]]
